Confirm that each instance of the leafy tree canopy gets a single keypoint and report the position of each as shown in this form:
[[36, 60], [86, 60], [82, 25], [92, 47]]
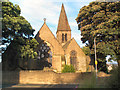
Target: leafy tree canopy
[[19, 50], [86, 50], [14, 25], [17, 33], [103, 19]]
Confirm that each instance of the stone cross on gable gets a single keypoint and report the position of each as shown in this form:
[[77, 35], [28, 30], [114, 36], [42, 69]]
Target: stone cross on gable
[[44, 20]]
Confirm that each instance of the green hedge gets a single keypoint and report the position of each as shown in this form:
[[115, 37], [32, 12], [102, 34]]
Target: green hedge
[[68, 69]]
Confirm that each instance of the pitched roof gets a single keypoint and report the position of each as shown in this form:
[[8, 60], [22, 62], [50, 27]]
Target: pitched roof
[[37, 35], [63, 21], [67, 43]]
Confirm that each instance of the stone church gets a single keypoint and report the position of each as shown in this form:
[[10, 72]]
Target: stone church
[[64, 50]]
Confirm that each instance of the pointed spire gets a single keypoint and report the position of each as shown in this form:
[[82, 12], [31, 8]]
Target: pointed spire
[[63, 21]]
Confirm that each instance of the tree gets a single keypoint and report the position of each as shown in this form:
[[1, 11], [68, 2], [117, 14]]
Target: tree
[[14, 25], [103, 19], [68, 69], [86, 50], [27, 52], [17, 35], [21, 46], [18, 53], [0, 24]]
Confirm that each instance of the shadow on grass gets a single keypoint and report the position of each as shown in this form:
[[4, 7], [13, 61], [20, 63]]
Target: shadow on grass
[[10, 78], [88, 82], [104, 81], [94, 82], [113, 81]]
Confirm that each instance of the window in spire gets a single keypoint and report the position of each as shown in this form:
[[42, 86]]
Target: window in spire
[[62, 37], [65, 37]]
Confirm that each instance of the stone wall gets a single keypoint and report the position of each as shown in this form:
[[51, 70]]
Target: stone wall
[[56, 63], [36, 77], [89, 64], [59, 36], [56, 49], [42, 77], [80, 56], [10, 77]]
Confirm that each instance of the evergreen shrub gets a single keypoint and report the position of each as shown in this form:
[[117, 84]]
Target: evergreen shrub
[[68, 69]]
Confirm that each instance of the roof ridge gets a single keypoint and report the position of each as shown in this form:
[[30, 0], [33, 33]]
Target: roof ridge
[[66, 44], [50, 32]]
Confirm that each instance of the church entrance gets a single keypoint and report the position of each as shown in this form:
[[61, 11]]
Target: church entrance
[[73, 59]]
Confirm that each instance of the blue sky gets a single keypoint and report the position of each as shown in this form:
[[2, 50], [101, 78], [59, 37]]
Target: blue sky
[[34, 11]]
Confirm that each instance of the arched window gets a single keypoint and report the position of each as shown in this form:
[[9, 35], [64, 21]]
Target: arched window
[[65, 37], [62, 37], [50, 56], [73, 58], [43, 51]]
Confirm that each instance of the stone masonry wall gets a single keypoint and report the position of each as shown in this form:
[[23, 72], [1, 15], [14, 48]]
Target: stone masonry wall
[[10, 77], [36, 77], [42, 77]]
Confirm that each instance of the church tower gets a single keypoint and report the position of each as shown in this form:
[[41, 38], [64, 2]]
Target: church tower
[[63, 29]]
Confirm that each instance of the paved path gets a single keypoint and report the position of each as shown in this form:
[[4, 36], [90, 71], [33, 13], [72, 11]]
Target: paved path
[[52, 86], [44, 86]]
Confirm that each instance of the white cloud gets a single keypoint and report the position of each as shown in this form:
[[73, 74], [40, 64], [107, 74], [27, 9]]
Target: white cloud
[[36, 11], [73, 24]]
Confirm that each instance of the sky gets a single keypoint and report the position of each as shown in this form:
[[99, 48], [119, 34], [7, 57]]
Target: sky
[[34, 11]]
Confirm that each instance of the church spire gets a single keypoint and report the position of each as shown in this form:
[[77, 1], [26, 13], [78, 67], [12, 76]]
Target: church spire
[[63, 21], [63, 29]]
